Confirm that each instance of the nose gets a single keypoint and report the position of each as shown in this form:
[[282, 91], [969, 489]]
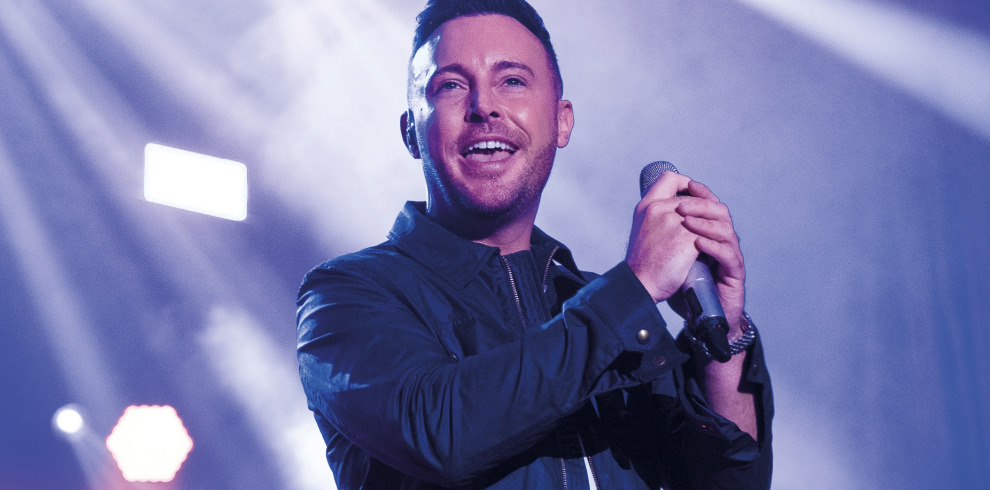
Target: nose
[[482, 107]]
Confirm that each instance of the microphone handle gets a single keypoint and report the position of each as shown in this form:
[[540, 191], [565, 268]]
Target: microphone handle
[[707, 321]]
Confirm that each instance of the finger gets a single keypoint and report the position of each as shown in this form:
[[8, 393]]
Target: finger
[[697, 189], [719, 230], [703, 208], [667, 186], [727, 254]]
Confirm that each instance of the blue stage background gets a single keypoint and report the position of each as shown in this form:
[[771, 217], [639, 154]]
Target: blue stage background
[[850, 139]]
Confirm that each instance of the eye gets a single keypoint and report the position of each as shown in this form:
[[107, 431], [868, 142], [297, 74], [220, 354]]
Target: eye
[[515, 82], [445, 86]]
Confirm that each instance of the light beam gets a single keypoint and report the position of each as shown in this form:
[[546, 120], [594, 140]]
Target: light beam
[[945, 66]]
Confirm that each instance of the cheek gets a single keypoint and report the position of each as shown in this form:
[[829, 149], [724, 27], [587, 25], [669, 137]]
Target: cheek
[[436, 139], [440, 144], [444, 125], [539, 120], [543, 128]]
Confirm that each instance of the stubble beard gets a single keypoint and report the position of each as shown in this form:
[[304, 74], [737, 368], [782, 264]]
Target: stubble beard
[[500, 202]]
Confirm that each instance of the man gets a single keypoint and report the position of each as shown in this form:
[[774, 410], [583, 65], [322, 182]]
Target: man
[[469, 350]]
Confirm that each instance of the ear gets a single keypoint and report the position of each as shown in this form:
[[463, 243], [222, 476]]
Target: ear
[[565, 122], [408, 127]]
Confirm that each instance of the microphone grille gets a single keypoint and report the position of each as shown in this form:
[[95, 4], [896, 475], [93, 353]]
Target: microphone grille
[[651, 173]]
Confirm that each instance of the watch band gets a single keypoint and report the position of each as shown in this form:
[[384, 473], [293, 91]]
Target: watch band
[[740, 344]]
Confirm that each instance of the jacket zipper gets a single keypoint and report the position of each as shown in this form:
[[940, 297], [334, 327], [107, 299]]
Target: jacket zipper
[[563, 462], [546, 270], [515, 291], [594, 472], [522, 318], [591, 465]]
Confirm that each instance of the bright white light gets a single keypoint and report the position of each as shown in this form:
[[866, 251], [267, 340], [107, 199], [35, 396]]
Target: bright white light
[[149, 443], [68, 420], [195, 182]]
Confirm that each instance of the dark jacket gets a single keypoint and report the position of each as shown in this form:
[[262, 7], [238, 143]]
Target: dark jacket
[[430, 360]]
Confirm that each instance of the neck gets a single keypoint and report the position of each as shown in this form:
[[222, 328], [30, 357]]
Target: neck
[[509, 234], [510, 239]]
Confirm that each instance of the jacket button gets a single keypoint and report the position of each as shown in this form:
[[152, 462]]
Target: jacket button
[[643, 336]]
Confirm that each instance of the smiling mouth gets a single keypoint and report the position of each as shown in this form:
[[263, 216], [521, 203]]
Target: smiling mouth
[[486, 151]]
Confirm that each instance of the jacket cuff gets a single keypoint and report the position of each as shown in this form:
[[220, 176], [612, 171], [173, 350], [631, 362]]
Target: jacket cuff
[[631, 316], [755, 377]]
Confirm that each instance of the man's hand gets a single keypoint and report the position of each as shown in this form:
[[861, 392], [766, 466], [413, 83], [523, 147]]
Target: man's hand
[[670, 230], [661, 248], [706, 217]]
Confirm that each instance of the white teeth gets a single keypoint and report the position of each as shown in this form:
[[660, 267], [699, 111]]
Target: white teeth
[[490, 145]]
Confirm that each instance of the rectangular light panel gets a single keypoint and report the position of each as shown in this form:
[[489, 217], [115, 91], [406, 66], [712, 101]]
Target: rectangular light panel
[[195, 182]]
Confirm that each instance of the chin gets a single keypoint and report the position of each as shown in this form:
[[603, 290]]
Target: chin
[[491, 211], [490, 208]]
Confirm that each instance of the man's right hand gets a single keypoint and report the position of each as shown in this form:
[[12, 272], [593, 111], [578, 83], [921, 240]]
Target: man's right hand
[[661, 249]]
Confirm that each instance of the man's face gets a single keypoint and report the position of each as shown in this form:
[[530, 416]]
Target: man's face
[[488, 117]]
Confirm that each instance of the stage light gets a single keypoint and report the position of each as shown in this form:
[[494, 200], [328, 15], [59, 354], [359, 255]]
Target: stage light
[[195, 182], [149, 443], [68, 421]]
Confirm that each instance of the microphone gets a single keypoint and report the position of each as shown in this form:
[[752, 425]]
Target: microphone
[[706, 318]]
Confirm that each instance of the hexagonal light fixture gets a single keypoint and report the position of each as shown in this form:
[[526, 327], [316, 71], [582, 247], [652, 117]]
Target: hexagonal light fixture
[[149, 443]]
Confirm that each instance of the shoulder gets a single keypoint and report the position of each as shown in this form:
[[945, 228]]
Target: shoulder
[[372, 263], [372, 257]]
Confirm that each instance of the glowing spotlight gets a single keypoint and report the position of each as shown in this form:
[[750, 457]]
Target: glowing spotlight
[[68, 421], [195, 182], [149, 443]]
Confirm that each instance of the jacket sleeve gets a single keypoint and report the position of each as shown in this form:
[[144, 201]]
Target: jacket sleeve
[[713, 453], [375, 370]]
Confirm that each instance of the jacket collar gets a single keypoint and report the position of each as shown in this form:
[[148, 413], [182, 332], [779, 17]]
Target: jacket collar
[[454, 258]]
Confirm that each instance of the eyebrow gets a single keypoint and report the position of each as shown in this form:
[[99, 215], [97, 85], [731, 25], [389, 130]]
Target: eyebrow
[[513, 65], [499, 66]]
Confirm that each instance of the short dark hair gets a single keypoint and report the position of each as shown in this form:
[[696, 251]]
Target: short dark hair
[[437, 12]]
